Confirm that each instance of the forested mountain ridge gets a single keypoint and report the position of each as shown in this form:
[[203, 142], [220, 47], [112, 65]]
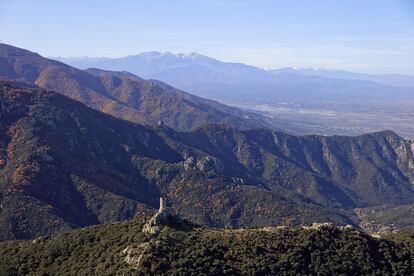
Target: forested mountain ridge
[[64, 165]]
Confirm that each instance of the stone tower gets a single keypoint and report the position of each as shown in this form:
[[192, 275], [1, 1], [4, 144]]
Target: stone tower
[[161, 218], [163, 205]]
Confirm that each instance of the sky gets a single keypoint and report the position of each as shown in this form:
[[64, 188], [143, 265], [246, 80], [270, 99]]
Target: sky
[[372, 36]]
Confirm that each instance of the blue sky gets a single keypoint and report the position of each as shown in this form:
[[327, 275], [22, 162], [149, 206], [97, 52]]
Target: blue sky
[[374, 36]]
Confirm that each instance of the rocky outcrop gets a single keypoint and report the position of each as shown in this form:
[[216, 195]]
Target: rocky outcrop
[[134, 253], [317, 226], [206, 164]]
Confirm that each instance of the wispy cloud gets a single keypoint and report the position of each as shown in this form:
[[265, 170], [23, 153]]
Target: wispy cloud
[[374, 39]]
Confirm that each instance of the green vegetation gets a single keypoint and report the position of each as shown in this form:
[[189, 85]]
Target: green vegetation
[[329, 251], [179, 250], [93, 250]]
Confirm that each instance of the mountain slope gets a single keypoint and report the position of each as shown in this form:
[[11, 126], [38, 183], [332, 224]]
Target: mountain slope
[[351, 171], [122, 94], [63, 166]]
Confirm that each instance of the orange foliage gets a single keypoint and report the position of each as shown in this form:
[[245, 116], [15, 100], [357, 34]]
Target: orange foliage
[[14, 132], [288, 221], [22, 174]]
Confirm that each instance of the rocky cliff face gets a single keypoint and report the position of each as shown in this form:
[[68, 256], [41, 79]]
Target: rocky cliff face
[[350, 171]]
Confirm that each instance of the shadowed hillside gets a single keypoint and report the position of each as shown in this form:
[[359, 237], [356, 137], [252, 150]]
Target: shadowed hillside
[[65, 166]]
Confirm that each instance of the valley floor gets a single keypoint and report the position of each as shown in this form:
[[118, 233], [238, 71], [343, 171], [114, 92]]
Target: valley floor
[[332, 118]]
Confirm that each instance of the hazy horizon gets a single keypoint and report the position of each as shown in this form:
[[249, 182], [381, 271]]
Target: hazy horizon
[[361, 36], [230, 61]]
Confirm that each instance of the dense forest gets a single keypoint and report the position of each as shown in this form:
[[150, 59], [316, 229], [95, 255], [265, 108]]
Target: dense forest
[[179, 250]]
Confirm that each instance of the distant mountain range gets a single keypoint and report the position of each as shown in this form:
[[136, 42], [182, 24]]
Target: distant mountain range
[[175, 69], [122, 94], [196, 68], [64, 165], [302, 101], [398, 80]]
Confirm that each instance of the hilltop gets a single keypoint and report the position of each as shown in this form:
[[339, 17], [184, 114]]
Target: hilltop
[[114, 248]]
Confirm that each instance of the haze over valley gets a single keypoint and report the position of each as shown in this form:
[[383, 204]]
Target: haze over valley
[[300, 101]]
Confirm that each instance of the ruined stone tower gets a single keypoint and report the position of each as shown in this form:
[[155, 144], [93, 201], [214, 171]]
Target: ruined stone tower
[[163, 205], [158, 220]]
